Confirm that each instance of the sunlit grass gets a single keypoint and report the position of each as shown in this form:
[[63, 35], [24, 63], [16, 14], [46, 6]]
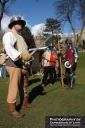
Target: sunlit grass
[[50, 101]]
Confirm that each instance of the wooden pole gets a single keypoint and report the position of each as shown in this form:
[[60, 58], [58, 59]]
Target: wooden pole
[[60, 65]]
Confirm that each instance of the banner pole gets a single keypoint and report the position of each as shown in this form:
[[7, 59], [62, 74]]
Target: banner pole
[[80, 74], [60, 65]]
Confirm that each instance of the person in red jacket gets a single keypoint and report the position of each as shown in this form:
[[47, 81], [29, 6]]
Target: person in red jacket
[[48, 63]]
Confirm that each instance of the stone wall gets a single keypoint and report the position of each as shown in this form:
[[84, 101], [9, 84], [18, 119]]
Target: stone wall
[[40, 39]]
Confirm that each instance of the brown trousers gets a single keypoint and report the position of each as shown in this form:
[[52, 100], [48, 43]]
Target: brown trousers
[[18, 81]]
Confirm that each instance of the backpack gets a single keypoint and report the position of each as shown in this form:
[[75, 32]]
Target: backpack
[[2, 59]]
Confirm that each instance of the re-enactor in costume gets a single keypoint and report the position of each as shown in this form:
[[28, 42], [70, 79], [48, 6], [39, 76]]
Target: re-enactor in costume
[[17, 51], [70, 59], [49, 60]]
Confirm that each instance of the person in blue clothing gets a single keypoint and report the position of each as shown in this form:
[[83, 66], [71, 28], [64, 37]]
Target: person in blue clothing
[[3, 71]]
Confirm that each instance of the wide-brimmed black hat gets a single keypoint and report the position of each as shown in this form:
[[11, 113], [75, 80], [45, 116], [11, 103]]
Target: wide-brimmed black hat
[[16, 19]]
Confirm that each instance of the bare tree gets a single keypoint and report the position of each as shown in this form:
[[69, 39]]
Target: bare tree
[[81, 16], [4, 8], [71, 11], [65, 12]]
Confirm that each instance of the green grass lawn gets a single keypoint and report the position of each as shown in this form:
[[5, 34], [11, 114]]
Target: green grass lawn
[[50, 101]]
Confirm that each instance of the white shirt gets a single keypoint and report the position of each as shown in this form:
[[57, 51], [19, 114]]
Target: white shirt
[[9, 41]]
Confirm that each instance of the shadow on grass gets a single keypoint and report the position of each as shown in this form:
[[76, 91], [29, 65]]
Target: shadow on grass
[[55, 80], [53, 89], [33, 81], [38, 90]]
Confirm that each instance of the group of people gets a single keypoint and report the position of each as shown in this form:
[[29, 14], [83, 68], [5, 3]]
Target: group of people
[[51, 61], [17, 52]]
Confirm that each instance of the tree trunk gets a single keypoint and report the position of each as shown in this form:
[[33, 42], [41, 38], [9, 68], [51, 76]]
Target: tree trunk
[[79, 38], [73, 31]]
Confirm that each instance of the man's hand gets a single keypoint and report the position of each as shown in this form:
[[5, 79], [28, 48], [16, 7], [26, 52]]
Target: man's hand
[[60, 54], [25, 56]]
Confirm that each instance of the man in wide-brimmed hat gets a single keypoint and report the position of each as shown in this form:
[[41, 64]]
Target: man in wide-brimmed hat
[[17, 51]]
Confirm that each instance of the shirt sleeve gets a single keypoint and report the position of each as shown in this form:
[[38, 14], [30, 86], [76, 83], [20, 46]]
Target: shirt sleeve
[[9, 41], [75, 51]]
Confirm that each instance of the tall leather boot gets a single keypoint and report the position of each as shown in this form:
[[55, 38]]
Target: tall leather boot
[[13, 112], [25, 103]]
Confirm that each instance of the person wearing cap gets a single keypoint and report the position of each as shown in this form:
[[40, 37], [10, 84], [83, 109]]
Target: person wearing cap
[[70, 59], [17, 51], [48, 63]]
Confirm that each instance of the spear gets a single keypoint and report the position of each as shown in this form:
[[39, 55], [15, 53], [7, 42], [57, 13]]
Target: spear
[[60, 64], [80, 74]]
